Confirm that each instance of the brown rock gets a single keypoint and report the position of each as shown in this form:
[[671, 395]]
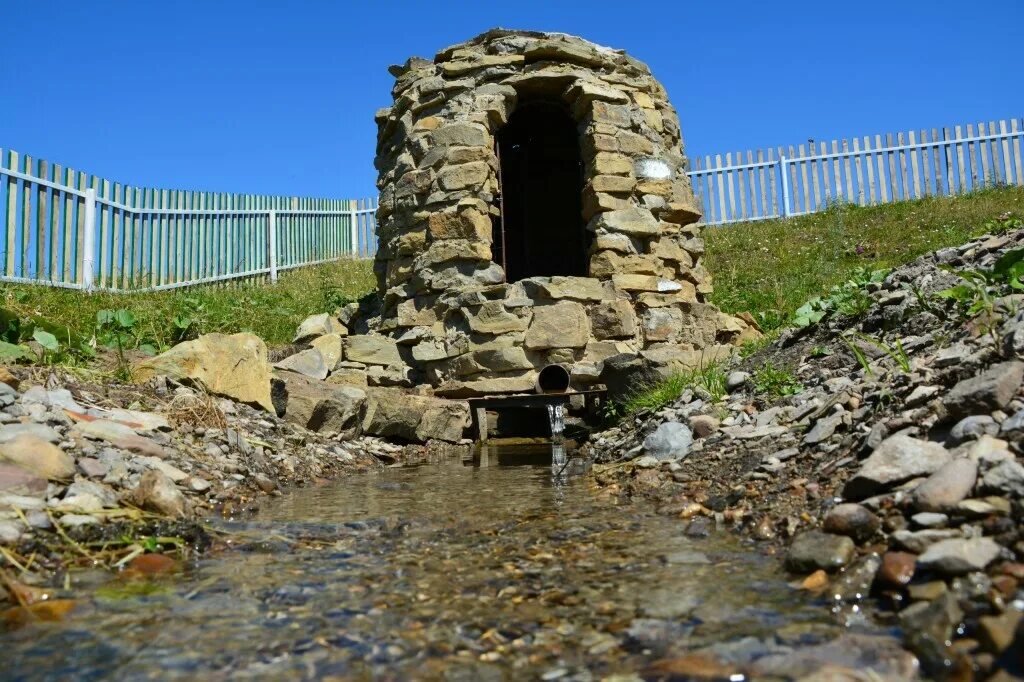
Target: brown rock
[[38, 456], [156, 492], [897, 568], [561, 325], [852, 520]]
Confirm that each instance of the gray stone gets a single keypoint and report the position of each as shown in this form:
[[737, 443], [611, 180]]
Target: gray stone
[[813, 549], [309, 362], [670, 440], [1005, 478], [930, 520], [121, 436], [920, 540], [105, 494], [632, 221], [1013, 424], [991, 390], [824, 428], [10, 532], [9, 432], [562, 325], [854, 583], [736, 380], [974, 426], [947, 487], [958, 556], [318, 325], [897, 459], [416, 418], [852, 520]]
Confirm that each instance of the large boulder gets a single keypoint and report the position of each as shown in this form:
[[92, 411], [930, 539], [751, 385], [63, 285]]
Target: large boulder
[[416, 418], [232, 365], [319, 406]]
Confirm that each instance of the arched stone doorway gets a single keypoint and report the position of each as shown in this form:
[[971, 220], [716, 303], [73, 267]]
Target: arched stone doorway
[[540, 230]]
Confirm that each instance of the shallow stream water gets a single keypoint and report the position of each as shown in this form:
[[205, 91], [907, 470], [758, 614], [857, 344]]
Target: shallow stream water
[[507, 568]]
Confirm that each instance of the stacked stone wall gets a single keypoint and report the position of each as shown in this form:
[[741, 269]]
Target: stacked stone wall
[[454, 320]]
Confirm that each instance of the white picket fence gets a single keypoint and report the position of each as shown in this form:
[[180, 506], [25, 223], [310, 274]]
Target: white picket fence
[[782, 182], [60, 227]]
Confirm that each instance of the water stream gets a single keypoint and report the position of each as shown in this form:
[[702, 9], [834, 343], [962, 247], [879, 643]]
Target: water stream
[[511, 567]]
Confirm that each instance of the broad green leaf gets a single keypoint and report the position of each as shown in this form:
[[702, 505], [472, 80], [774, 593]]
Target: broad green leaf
[[104, 317], [12, 352], [46, 340], [125, 318]]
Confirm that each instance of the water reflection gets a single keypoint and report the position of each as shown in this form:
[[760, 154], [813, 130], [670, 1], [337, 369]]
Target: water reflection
[[510, 568]]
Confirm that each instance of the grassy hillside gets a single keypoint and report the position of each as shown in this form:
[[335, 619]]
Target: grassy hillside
[[273, 312], [772, 267]]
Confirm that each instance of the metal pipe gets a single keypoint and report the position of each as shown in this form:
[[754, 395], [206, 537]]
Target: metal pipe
[[552, 379]]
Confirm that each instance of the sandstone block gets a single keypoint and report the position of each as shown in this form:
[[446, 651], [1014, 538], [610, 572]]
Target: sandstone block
[[613, 319], [562, 325], [633, 221], [372, 350], [463, 176], [234, 366], [416, 418]]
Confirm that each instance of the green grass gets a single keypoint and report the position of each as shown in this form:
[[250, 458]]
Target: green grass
[[652, 397], [271, 311], [770, 268]]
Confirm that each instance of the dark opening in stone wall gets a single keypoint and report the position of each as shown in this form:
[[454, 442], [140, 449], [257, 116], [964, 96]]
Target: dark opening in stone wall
[[540, 231]]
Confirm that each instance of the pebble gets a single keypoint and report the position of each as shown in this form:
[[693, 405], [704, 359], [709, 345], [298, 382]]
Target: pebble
[[76, 520], [854, 583], [930, 520], [974, 427], [897, 459], [92, 467], [957, 556], [897, 568], [671, 440], [813, 550], [10, 531], [736, 380], [852, 520], [990, 390], [1005, 478], [947, 486], [703, 425], [12, 431], [158, 493]]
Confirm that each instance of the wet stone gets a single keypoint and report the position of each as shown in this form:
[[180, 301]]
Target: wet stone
[[670, 440], [812, 550], [852, 520], [897, 568], [958, 556]]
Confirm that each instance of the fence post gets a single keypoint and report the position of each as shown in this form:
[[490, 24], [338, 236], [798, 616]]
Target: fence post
[[89, 241], [272, 243], [785, 186], [353, 222]]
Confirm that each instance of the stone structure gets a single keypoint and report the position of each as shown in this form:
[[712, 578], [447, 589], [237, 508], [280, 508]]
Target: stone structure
[[534, 209]]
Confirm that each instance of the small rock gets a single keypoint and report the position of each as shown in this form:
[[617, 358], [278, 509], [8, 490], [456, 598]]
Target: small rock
[[958, 556], [919, 541], [851, 520], [928, 591], [121, 436], [933, 619], [76, 520], [18, 481], [1005, 478], [897, 459], [736, 380], [897, 568], [991, 390], [265, 483], [854, 583], [158, 493], [198, 485], [93, 467], [824, 428], [974, 427], [996, 632], [10, 532], [670, 440], [813, 550], [38, 456], [703, 425], [947, 487], [920, 395], [9, 432], [930, 520]]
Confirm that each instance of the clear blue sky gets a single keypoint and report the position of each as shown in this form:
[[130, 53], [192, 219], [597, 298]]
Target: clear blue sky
[[262, 97]]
